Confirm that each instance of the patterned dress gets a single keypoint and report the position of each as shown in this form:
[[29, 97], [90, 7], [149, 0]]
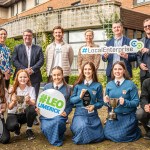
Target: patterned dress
[[86, 126], [125, 128], [5, 60], [54, 128]]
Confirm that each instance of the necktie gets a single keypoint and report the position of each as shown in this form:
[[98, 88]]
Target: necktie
[[118, 83], [56, 88], [87, 84]]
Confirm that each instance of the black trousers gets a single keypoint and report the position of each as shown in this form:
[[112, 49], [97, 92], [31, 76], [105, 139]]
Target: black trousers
[[7, 83], [37, 88], [13, 120], [147, 75], [143, 117], [5, 135]]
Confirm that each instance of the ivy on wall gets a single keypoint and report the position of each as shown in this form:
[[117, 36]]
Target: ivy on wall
[[44, 44]]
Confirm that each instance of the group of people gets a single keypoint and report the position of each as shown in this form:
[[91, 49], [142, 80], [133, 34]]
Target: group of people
[[86, 125]]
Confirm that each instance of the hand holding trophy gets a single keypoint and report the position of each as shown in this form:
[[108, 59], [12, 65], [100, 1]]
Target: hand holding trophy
[[86, 97], [27, 99], [20, 101], [113, 103], [14, 98]]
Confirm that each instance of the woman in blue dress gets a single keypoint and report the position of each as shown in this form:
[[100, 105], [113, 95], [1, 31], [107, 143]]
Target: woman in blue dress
[[125, 127], [54, 128], [86, 125]]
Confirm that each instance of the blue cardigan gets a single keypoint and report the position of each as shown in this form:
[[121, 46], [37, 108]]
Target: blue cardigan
[[131, 57], [128, 91], [66, 91], [95, 90]]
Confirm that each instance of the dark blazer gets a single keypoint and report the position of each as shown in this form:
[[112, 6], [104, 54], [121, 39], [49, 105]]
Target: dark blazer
[[145, 93], [131, 57], [20, 61], [144, 58]]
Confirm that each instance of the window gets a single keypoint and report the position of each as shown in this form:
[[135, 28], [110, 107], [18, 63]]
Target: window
[[12, 10], [76, 3], [37, 2], [141, 1], [23, 5]]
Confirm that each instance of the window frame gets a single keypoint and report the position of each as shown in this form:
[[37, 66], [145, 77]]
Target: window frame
[[24, 5], [36, 2]]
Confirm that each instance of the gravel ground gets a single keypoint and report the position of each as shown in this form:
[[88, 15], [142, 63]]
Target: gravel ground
[[40, 143]]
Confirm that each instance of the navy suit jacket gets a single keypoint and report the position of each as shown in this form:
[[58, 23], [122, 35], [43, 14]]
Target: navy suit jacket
[[20, 61], [144, 58], [131, 57]]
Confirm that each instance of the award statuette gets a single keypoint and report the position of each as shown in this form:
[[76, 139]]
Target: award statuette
[[86, 98], [20, 101], [113, 104]]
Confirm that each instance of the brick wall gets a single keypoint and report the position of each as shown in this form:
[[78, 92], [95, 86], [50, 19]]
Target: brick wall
[[143, 8], [88, 1], [2, 21], [133, 20], [56, 4]]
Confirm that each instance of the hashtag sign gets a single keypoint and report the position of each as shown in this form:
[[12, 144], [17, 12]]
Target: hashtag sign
[[84, 50]]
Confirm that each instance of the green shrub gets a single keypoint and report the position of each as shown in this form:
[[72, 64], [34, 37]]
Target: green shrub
[[136, 77], [11, 43], [72, 79], [45, 43], [102, 79]]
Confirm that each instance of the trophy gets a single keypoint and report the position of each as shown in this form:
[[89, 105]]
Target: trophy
[[20, 101], [86, 98], [113, 104]]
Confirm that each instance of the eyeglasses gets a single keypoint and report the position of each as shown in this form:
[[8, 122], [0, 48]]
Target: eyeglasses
[[148, 26]]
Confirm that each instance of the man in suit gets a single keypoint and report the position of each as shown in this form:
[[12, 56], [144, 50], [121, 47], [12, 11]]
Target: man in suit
[[30, 57], [117, 41], [143, 56]]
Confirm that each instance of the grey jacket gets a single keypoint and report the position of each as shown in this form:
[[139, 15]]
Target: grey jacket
[[67, 58]]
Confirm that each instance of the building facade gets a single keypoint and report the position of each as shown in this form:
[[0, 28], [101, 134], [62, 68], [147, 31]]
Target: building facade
[[75, 17]]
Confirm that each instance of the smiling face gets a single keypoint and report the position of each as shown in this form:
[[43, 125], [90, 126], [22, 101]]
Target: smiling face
[[3, 36], [57, 76], [117, 29], [147, 28], [89, 37], [88, 72], [118, 71], [23, 78], [58, 35], [27, 37]]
